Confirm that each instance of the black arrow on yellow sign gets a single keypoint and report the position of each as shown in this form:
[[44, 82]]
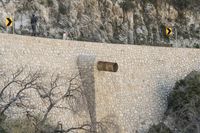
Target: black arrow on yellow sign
[[168, 31], [9, 22]]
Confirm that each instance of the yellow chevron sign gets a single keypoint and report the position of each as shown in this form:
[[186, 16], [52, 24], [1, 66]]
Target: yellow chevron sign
[[9, 22], [168, 31]]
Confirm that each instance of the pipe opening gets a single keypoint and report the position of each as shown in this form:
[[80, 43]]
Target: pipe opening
[[107, 66]]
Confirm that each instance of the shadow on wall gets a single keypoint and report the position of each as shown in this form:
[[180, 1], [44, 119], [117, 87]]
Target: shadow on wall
[[86, 70], [85, 66]]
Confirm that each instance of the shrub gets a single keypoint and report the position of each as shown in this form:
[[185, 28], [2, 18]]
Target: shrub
[[2, 119], [196, 45], [24, 125], [160, 128], [81, 38], [42, 2], [183, 106], [127, 5], [150, 1], [62, 9], [50, 3], [184, 4], [184, 103], [19, 126]]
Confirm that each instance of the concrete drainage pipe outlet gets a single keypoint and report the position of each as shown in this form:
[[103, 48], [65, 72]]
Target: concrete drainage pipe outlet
[[107, 66]]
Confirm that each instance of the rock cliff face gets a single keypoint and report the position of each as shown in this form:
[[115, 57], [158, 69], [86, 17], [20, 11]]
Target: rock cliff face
[[113, 21]]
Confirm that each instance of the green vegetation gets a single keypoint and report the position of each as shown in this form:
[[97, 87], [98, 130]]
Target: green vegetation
[[2, 119], [150, 1], [183, 106], [160, 128], [81, 38], [196, 45], [48, 3], [184, 103], [127, 5], [24, 125], [62, 8], [184, 4]]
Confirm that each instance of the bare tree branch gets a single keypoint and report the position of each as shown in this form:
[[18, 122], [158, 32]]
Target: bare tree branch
[[47, 93], [85, 127], [29, 82], [14, 80], [58, 93]]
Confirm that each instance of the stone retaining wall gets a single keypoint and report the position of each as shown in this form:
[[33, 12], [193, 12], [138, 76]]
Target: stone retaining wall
[[134, 96]]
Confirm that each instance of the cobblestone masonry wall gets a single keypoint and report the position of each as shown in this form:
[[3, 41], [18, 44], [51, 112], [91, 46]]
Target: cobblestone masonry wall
[[135, 96]]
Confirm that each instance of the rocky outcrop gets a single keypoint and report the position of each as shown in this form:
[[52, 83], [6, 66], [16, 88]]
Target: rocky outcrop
[[107, 20]]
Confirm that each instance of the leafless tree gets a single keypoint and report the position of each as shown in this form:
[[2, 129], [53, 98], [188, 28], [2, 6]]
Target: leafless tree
[[104, 126], [22, 83], [57, 92], [49, 92], [71, 94]]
